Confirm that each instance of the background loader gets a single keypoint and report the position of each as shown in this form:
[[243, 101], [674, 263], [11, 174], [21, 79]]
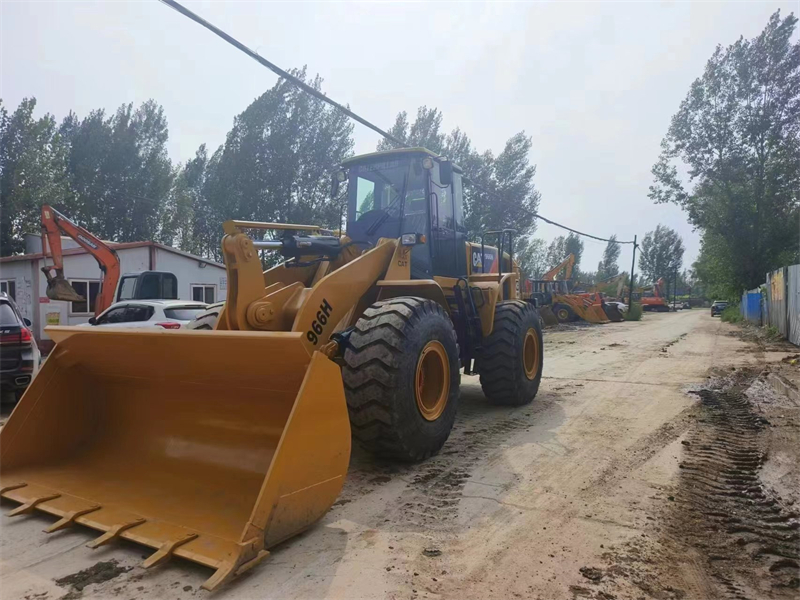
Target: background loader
[[216, 442], [561, 305]]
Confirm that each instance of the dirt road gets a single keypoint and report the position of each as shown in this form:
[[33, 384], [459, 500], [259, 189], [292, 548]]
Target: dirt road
[[593, 491]]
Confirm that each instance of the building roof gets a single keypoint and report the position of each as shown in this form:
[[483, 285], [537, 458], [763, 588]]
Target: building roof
[[115, 246]]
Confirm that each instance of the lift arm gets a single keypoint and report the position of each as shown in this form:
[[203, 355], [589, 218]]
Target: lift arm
[[568, 264], [58, 288]]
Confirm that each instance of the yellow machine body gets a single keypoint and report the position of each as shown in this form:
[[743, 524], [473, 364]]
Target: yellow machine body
[[209, 445]]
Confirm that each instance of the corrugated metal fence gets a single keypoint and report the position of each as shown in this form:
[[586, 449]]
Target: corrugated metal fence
[[751, 306], [782, 305], [793, 301]]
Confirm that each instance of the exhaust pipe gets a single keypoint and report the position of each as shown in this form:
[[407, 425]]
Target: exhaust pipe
[[23, 380]]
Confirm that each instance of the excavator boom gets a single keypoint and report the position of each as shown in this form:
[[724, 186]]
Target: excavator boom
[[58, 288], [568, 264]]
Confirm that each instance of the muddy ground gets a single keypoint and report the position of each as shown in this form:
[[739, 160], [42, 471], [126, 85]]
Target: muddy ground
[[660, 460]]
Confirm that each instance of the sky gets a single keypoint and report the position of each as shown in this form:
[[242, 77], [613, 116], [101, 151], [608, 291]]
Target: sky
[[593, 83]]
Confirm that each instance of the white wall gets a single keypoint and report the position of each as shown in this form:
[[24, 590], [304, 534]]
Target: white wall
[[189, 271]]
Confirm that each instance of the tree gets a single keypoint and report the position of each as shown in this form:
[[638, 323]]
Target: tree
[[608, 267], [574, 245], [738, 134], [556, 252], [119, 173], [32, 172], [661, 253], [531, 256], [276, 162]]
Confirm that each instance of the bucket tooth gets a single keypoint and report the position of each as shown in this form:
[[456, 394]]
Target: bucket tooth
[[114, 533], [230, 570], [11, 486], [164, 553], [31, 505], [69, 518]]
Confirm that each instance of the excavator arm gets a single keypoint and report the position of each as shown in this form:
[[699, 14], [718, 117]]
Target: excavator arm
[[58, 288], [568, 264]]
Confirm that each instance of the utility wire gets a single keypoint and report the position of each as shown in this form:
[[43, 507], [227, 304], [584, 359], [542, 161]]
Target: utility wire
[[319, 95]]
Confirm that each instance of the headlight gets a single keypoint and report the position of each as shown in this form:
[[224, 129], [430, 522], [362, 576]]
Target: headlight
[[408, 239], [341, 176], [427, 163]]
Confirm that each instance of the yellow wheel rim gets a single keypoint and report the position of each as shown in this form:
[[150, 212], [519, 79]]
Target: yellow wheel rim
[[530, 354], [432, 381]]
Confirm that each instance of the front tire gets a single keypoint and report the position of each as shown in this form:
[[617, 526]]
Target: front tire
[[511, 361], [564, 313], [401, 378]]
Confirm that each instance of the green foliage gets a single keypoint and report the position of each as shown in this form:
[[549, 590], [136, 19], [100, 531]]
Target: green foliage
[[661, 253], [33, 160], [112, 174], [561, 247], [731, 314], [531, 256], [608, 267], [635, 312], [738, 134], [772, 332]]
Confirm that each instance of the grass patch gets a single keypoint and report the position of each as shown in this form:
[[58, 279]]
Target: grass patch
[[732, 315], [772, 332], [634, 312]]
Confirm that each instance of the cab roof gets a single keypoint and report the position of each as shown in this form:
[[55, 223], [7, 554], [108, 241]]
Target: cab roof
[[397, 151]]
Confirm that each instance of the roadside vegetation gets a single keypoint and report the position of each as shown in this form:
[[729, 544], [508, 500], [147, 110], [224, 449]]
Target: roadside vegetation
[[732, 315], [634, 312]]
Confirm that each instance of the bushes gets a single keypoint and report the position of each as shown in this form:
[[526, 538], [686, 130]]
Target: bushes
[[732, 315], [634, 312]]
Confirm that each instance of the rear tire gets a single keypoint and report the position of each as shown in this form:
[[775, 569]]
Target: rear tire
[[564, 313], [401, 378], [510, 367], [207, 319]]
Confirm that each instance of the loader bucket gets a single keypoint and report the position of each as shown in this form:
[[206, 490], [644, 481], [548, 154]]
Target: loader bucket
[[207, 445], [59, 288]]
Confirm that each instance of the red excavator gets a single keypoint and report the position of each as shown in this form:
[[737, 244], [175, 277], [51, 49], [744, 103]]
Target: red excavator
[[147, 285], [653, 298]]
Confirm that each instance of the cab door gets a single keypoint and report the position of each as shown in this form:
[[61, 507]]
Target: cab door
[[443, 227]]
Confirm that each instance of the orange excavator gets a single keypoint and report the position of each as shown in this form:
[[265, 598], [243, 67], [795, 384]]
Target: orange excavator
[[146, 285], [653, 298], [58, 288]]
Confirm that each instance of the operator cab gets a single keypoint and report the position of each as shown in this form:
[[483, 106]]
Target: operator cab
[[408, 191]]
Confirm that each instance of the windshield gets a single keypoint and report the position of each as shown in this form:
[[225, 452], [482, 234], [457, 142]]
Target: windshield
[[380, 185]]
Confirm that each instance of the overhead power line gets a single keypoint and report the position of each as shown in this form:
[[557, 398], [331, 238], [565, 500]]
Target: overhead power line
[[319, 95]]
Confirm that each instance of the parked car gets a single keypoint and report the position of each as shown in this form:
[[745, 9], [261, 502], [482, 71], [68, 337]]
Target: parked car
[[686, 305], [718, 307], [138, 314], [19, 354]]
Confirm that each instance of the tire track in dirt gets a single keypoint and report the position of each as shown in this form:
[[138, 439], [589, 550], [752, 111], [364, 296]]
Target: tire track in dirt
[[750, 540], [435, 487]]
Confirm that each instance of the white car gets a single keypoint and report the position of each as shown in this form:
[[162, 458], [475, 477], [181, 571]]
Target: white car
[[137, 314]]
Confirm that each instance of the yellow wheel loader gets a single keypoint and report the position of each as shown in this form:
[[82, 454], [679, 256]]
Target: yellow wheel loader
[[215, 442]]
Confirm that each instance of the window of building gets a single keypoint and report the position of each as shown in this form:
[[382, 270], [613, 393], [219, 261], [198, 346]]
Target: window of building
[[204, 293], [87, 289], [9, 286]]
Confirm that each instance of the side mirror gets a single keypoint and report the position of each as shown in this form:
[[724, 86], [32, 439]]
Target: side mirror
[[446, 173], [27, 322], [334, 186], [92, 321]]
